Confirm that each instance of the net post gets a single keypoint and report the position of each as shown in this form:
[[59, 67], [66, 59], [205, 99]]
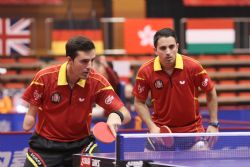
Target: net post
[[119, 148]]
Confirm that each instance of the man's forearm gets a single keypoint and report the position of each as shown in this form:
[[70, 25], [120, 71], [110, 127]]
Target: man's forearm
[[29, 122], [126, 115], [143, 111], [212, 105], [30, 118]]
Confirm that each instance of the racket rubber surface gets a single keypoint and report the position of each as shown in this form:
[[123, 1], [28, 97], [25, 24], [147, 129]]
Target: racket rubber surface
[[102, 132]]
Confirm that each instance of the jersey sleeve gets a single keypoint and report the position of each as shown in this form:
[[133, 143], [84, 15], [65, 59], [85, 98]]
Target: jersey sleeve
[[202, 79], [34, 92], [141, 87], [107, 98]]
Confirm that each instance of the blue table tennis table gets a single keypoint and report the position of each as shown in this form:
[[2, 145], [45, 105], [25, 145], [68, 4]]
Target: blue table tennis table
[[230, 150]]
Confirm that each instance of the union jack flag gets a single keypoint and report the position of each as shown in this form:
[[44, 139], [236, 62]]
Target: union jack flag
[[15, 36]]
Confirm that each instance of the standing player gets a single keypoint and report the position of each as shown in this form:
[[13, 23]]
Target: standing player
[[62, 97], [174, 81]]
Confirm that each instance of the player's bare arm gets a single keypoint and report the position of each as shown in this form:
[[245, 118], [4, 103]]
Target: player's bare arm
[[143, 111], [212, 108], [30, 118]]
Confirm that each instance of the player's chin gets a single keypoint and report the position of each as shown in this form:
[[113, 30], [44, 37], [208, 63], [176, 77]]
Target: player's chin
[[84, 76], [169, 60], [168, 63]]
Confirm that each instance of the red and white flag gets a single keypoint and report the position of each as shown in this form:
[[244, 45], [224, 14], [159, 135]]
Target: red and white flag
[[139, 33]]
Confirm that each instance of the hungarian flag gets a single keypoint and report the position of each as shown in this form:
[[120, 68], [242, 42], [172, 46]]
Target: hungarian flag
[[139, 33], [63, 30], [213, 36]]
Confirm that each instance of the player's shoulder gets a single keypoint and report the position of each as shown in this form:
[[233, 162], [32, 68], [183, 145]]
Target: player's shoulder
[[190, 62], [48, 71], [94, 76], [147, 66]]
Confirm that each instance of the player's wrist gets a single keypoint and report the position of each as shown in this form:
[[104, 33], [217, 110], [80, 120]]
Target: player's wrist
[[214, 124], [119, 113]]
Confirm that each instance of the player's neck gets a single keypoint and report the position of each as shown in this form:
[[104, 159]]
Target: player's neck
[[169, 69], [71, 78]]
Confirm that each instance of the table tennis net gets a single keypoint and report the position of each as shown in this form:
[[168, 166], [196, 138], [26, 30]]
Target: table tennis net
[[176, 146]]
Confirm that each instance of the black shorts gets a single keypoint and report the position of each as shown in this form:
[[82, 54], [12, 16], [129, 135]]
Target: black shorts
[[44, 152]]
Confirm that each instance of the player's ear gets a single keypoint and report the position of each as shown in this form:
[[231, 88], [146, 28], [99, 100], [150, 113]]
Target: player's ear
[[155, 51], [69, 58]]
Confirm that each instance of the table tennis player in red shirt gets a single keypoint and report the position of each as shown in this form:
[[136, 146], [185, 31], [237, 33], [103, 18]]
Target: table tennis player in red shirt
[[61, 97], [174, 80]]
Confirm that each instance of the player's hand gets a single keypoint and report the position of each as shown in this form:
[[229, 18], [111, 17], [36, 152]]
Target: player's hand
[[160, 141], [114, 121], [212, 139], [154, 129], [212, 129], [154, 140]]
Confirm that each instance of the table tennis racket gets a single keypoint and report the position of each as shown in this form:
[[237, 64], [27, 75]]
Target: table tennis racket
[[165, 129], [168, 141], [158, 143], [102, 132]]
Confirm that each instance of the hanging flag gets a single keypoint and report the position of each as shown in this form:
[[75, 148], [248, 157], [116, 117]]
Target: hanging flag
[[210, 36], [30, 2], [66, 29], [15, 36], [216, 2], [139, 33]]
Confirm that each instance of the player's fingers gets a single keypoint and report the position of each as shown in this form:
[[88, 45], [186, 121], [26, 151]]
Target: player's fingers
[[113, 122], [211, 141], [157, 140], [113, 128], [151, 142], [161, 141]]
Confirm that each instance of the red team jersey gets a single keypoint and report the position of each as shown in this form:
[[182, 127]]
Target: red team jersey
[[65, 113], [175, 97]]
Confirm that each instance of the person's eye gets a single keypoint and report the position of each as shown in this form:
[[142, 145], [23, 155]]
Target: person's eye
[[163, 48], [85, 61], [171, 47]]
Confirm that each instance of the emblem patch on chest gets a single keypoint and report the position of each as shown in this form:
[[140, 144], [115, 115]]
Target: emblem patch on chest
[[159, 84], [55, 97]]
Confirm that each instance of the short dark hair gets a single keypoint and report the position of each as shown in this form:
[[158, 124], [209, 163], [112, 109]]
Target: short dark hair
[[78, 43], [165, 32]]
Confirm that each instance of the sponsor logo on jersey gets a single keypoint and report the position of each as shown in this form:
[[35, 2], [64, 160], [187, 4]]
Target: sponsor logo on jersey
[[109, 99], [205, 82], [37, 95], [141, 88]]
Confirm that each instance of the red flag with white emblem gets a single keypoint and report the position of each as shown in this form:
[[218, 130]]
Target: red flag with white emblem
[[139, 33]]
